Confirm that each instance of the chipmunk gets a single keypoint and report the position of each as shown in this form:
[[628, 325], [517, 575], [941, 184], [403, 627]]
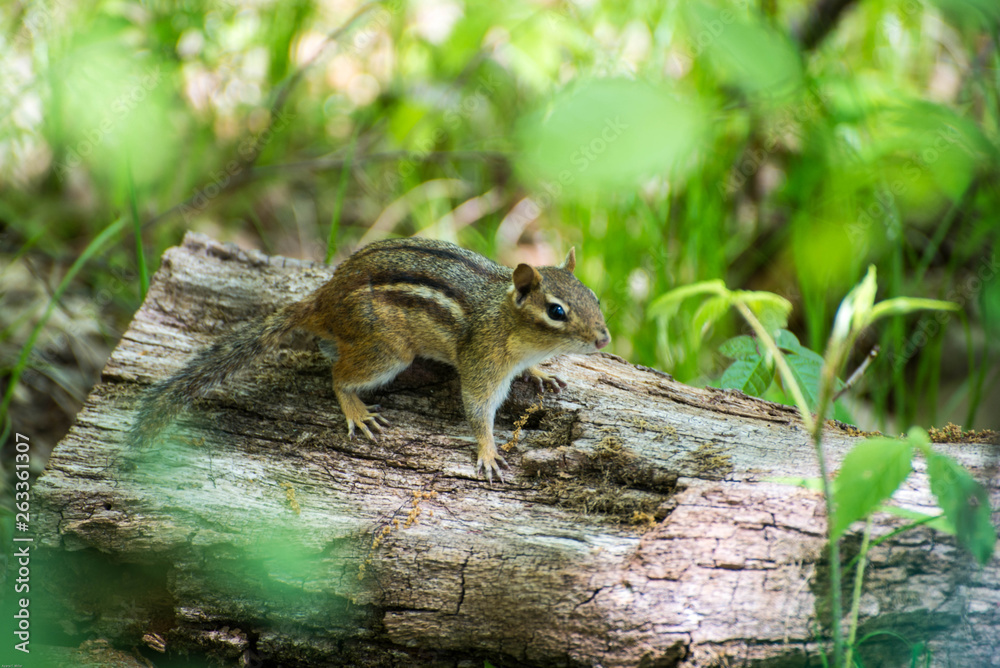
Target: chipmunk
[[398, 299]]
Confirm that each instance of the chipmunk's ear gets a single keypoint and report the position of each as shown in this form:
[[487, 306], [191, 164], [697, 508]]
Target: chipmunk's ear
[[569, 264], [526, 279]]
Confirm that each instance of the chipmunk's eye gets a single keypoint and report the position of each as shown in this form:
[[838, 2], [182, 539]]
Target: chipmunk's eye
[[556, 312]]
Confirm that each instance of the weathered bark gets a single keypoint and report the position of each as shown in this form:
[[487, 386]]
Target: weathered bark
[[640, 523]]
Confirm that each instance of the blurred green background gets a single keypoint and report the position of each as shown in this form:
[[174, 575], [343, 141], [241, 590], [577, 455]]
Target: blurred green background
[[777, 145]]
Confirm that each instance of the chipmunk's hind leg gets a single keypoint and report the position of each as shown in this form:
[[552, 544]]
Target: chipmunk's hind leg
[[365, 367], [329, 349]]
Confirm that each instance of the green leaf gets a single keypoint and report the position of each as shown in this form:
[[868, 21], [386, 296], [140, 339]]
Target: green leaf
[[965, 503], [989, 305], [787, 341], [740, 348], [855, 310], [904, 305], [752, 376], [976, 14], [869, 475], [667, 303], [806, 370], [746, 53], [806, 365], [607, 134], [711, 310]]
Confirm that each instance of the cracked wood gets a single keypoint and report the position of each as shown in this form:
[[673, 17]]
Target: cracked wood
[[395, 553]]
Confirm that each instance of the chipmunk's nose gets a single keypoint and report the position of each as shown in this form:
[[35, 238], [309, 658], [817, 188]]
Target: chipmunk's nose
[[603, 340]]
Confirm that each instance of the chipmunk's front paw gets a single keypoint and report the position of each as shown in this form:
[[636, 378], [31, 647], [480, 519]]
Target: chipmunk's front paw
[[491, 462], [543, 380]]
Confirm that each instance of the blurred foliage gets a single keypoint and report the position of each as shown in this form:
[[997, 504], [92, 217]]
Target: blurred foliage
[[671, 142]]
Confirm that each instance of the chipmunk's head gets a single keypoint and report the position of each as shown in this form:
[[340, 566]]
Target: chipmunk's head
[[561, 314]]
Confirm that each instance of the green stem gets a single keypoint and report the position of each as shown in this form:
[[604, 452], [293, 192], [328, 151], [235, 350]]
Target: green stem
[[835, 354], [895, 532], [859, 577], [836, 604], [835, 357], [787, 377]]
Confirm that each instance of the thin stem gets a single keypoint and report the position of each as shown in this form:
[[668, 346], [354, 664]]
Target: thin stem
[[836, 351], [859, 577], [856, 376], [895, 532], [836, 604], [834, 359], [787, 377]]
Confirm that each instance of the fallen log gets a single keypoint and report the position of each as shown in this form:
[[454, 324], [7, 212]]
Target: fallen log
[[641, 523]]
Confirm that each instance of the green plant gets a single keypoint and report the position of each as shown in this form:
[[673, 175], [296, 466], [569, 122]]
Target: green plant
[[753, 372], [873, 470]]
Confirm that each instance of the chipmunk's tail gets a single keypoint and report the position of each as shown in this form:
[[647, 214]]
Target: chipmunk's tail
[[229, 354]]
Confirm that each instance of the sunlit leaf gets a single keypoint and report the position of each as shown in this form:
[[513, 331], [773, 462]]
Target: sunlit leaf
[[710, 310], [869, 475], [746, 53], [110, 109], [667, 303], [904, 305], [864, 298], [606, 134], [855, 309]]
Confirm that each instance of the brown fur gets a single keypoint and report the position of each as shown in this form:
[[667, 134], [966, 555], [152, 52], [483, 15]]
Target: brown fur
[[398, 299]]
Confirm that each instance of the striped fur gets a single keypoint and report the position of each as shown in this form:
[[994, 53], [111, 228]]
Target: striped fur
[[399, 299]]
